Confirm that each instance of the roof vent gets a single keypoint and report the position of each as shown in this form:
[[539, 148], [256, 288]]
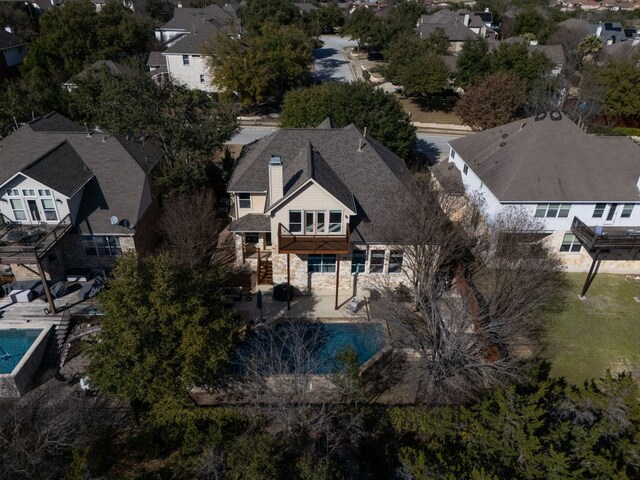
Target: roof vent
[[555, 115], [502, 144], [522, 125], [275, 160], [505, 135], [541, 116]]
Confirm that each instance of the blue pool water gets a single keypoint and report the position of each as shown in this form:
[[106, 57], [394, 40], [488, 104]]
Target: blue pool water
[[307, 347], [13, 346]]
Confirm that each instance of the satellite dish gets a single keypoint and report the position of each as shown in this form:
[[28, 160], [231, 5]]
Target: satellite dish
[[114, 220], [126, 223]]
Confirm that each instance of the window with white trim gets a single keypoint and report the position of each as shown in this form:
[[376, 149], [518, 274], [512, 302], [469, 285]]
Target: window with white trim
[[18, 210], [627, 210], [185, 59], [321, 264], [28, 192], [49, 209], [101, 245], [598, 211], [295, 221], [395, 261], [358, 261], [553, 210], [465, 169], [376, 263], [244, 200], [335, 221], [570, 243], [13, 192], [44, 192]]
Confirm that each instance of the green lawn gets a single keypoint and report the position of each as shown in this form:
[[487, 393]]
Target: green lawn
[[599, 332]]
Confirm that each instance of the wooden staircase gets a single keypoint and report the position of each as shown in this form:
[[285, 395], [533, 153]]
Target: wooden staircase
[[265, 272]]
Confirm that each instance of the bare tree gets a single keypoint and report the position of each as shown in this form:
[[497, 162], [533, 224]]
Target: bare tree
[[39, 432], [287, 373], [190, 228], [471, 311]]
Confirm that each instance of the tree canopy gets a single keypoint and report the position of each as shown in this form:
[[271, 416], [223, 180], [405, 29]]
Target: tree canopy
[[164, 331], [492, 102], [256, 13], [415, 64], [75, 36], [613, 88], [383, 116], [189, 124], [262, 66]]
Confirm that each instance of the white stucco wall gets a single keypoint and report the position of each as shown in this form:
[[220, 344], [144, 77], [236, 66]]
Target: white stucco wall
[[189, 75]]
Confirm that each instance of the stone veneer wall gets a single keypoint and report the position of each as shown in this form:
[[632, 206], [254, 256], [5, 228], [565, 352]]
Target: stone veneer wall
[[616, 261], [75, 258], [53, 265]]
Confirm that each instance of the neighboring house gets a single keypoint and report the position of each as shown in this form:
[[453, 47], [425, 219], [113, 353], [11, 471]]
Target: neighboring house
[[457, 26], [72, 200], [621, 51], [586, 189], [554, 52], [614, 32], [317, 208], [185, 37], [157, 64], [13, 50], [306, 7], [114, 67]]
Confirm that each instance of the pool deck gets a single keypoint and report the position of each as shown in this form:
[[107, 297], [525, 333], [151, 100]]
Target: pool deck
[[320, 307]]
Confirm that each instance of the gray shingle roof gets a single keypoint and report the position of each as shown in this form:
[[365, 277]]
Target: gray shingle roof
[[450, 22], [156, 59], [552, 160], [61, 169], [554, 52], [371, 178], [120, 185], [254, 222], [9, 40]]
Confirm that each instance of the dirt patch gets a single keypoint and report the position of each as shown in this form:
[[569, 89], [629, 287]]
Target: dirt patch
[[418, 114]]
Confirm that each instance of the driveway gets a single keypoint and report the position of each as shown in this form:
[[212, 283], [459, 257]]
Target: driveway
[[329, 63]]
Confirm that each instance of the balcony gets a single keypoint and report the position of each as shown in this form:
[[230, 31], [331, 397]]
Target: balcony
[[312, 244], [23, 244], [596, 238]]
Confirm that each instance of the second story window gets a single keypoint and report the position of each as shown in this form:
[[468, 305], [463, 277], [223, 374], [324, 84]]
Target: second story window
[[244, 200], [553, 210], [13, 192], [295, 221], [49, 210], [335, 221], [599, 210], [185, 59], [627, 210], [18, 210]]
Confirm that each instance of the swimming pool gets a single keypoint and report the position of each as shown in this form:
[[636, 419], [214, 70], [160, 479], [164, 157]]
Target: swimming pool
[[14, 344], [307, 347]]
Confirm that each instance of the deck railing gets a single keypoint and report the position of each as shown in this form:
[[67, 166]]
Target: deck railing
[[607, 238], [311, 244], [22, 251]]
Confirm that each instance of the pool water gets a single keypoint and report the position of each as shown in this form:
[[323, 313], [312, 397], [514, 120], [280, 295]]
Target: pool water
[[14, 344], [307, 347]]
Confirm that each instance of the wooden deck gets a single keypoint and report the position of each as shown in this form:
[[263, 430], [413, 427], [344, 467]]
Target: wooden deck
[[35, 241], [312, 244], [609, 237]]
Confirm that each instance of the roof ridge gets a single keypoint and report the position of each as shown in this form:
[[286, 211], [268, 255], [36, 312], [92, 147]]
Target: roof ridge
[[46, 154]]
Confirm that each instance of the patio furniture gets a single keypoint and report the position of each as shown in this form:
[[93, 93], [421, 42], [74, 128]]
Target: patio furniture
[[21, 296], [58, 289], [16, 235], [354, 306], [280, 292]]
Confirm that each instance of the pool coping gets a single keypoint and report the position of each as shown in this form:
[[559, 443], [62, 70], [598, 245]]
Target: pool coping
[[14, 376]]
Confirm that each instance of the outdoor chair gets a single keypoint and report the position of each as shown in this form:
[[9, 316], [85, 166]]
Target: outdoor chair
[[354, 306]]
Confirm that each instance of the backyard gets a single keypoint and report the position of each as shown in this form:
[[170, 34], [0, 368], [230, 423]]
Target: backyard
[[598, 333]]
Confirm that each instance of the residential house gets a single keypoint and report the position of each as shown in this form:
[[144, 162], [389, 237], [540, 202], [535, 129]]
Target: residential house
[[555, 53], [585, 189], [614, 32], [318, 208], [12, 52], [72, 200], [185, 37], [457, 26], [112, 67]]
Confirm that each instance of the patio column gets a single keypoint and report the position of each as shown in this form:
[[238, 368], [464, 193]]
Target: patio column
[[337, 279], [595, 265], [52, 305], [288, 283]]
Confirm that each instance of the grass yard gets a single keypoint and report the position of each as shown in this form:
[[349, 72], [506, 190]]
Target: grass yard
[[599, 332]]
